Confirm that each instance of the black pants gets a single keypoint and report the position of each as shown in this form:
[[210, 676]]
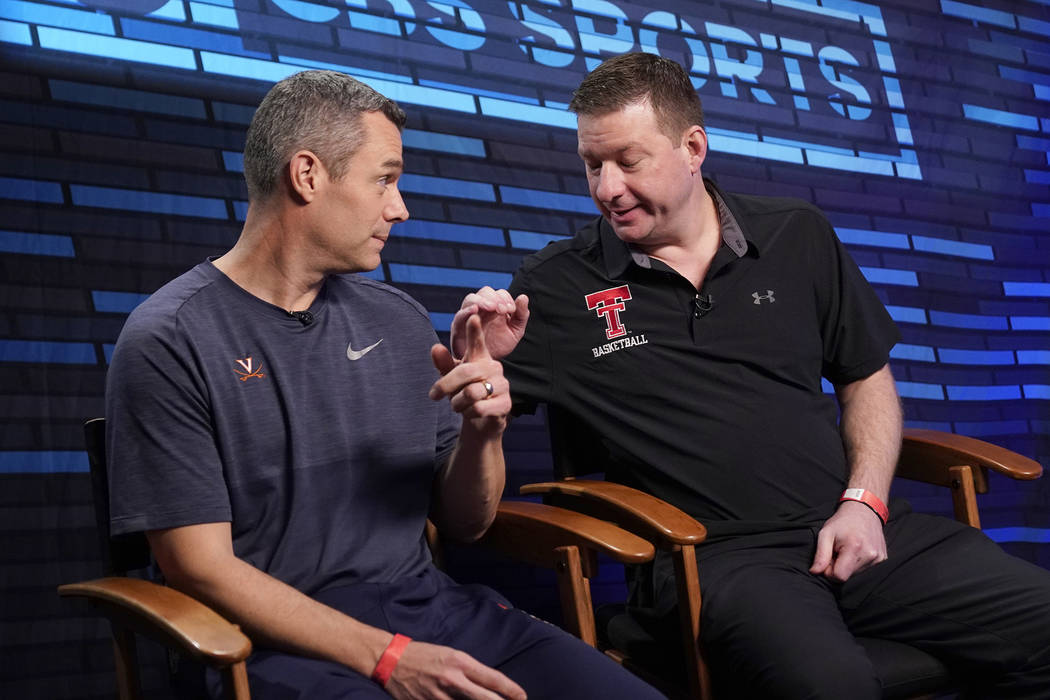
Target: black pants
[[770, 629], [548, 663]]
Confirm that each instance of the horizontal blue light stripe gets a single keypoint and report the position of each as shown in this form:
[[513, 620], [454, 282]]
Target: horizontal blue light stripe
[[137, 100], [426, 96], [116, 48], [1042, 92], [1033, 357], [878, 239], [976, 357], [116, 302], [908, 170], [803, 144], [1040, 210], [233, 161], [1037, 535], [531, 240], [351, 70], [826, 386], [880, 275], [187, 37], [1001, 117], [480, 91], [107, 351], [919, 353], [1037, 391], [1033, 143], [1035, 26], [448, 276], [747, 136], [542, 199], [441, 231], [15, 33], [446, 143], [850, 163], [906, 314], [51, 16], [243, 67], [43, 462], [446, 187], [204, 13], [979, 14], [1030, 323], [152, 202], [47, 351], [1026, 289], [954, 320], [31, 190], [534, 114], [1024, 76], [754, 149], [983, 393], [1039, 177], [36, 244], [918, 390], [945, 246], [441, 321], [240, 209]]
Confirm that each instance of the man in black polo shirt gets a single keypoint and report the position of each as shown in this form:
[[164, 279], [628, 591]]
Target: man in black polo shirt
[[680, 340]]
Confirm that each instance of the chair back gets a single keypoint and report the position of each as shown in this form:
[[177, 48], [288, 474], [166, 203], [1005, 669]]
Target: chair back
[[122, 553]]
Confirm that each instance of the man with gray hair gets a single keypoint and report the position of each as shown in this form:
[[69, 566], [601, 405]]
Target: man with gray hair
[[277, 429]]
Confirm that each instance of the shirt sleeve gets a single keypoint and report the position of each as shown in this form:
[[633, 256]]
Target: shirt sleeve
[[856, 330], [163, 465]]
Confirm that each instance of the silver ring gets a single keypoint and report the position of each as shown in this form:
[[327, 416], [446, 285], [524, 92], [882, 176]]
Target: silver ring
[[489, 389]]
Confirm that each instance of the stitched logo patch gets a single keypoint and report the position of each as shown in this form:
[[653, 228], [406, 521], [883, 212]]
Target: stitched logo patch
[[249, 369]]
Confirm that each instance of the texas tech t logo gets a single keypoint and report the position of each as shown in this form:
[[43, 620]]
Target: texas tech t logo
[[608, 303]]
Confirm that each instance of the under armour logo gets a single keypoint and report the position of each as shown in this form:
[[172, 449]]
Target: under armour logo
[[759, 297], [249, 370], [609, 303]]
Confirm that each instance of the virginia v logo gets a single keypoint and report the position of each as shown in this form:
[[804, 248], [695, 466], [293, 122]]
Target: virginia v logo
[[609, 303], [250, 370]]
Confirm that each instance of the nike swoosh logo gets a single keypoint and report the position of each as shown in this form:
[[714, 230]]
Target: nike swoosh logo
[[352, 354]]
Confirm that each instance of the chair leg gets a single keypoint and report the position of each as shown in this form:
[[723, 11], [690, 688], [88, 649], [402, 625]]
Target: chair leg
[[575, 593], [235, 682], [964, 496], [125, 658], [688, 583]]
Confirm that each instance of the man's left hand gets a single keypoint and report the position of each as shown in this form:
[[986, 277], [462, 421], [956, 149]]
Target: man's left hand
[[850, 541], [468, 382]]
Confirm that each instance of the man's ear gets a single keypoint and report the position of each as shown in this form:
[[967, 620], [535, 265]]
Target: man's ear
[[695, 142], [306, 175]]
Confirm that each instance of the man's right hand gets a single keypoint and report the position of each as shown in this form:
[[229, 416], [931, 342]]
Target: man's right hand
[[432, 672], [503, 319]]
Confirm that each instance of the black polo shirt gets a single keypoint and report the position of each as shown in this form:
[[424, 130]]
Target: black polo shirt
[[709, 400]]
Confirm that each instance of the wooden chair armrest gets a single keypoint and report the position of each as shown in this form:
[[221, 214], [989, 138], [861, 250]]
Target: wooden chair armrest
[[166, 615], [927, 455], [634, 510], [533, 532]]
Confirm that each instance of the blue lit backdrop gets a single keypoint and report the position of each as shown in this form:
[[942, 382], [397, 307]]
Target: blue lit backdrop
[[921, 126]]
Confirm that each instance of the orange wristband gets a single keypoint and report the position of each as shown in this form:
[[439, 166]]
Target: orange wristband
[[388, 661], [869, 499]]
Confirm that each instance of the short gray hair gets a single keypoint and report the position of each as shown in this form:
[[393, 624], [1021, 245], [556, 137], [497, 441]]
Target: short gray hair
[[316, 110]]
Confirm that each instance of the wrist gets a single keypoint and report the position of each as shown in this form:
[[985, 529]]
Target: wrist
[[389, 659], [869, 499]]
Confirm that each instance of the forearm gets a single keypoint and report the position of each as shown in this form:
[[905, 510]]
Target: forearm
[[871, 431], [272, 613], [470, 486]]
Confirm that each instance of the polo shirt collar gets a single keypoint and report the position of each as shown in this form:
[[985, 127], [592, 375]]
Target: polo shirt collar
[[617, 255]]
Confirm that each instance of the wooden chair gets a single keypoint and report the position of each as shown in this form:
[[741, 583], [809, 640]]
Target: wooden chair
[[565, 541], [957, 462]]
